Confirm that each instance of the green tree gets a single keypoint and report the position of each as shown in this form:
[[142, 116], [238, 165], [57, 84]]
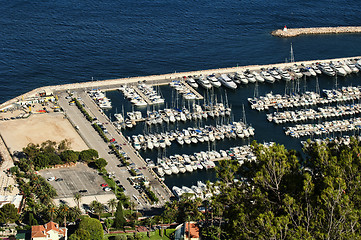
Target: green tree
[[77, 199], [69, 156], [88, 155], [8, 213], [119, 220], [100, 163], [93, 227], [80, 234]]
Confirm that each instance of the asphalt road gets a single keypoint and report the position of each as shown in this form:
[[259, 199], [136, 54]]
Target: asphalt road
[[94, 141]]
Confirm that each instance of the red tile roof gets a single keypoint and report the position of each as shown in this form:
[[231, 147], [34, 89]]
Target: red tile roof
[[42, 230], [194, 230]]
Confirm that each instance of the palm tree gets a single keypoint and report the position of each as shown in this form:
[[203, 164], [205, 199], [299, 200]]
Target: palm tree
[[77, 199], [63, 210], [112, 203], [97, 207], [52, 210]]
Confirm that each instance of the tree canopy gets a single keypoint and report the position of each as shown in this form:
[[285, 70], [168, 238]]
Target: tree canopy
[[281, 196]]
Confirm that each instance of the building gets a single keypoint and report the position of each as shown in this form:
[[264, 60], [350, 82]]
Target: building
[[49, 231], [187, 230], [16, 200]]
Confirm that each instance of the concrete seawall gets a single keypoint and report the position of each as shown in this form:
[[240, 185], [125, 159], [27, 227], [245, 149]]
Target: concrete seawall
[[293, 32], [154, 79]]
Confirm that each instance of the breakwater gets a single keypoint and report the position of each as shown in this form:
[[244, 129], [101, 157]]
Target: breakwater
[[293, 32], [162, 79]]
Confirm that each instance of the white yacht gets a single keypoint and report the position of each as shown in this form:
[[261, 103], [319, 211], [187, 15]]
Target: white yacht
[[345, 66], [227, 82], [274, 74], [214, 81], [192, 82], [181, 168], [358, 64], [295, 71], [258, 77], [241, 77], [352, 67], [338, 69], [188, 167], [267, 76], [174, 168], [178, 192], [166, 169], [250, 77], [326, 69], [284, 74], [160, 171], [204, 82], [180, 140]]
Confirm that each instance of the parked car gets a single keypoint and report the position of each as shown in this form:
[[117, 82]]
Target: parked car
[[104, 185], [107, 189], [83, 191], [50, 179], [59, 179]]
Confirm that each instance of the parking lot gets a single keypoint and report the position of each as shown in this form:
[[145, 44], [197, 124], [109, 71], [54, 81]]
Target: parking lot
[[70, 180]]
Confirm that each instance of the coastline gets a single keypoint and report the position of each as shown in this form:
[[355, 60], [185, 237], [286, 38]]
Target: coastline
[[294, 32]]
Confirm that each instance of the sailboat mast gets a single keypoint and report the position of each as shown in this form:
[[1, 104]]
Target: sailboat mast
[[292, 57]]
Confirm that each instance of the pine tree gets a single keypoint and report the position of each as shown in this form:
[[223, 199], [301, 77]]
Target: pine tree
[[119, 221]]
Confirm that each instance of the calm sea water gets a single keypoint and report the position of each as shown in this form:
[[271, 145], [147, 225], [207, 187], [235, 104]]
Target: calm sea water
[[56, 42]]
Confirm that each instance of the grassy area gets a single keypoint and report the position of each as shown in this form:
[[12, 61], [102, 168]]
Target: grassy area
[[153, 235]]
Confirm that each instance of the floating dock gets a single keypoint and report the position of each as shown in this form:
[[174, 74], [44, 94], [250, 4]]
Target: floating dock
[[293, 32], [198, 95]]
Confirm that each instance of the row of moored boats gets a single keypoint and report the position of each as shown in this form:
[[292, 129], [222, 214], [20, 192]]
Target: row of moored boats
[[278, 101], [335, 126], [192, 135], [270, 75], [201, 160], [314, 114]]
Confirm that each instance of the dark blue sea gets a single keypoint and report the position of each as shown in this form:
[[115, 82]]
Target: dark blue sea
[[57, 42]]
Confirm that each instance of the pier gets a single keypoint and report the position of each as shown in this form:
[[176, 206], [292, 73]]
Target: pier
[[192, 90], [293, 32], [140, 93]]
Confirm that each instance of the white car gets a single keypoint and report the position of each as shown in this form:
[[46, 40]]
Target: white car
[[107, 189], [51, 179]]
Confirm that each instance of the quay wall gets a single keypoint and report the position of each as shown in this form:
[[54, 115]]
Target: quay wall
[[162, 79], [293, 32]]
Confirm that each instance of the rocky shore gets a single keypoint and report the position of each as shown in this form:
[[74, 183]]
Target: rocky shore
[[293, 32]]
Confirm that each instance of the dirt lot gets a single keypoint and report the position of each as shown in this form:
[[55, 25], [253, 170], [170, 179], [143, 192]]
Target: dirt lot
[[38, 128]]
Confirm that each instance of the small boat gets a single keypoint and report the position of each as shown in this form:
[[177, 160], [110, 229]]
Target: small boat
[[192, 82], [267, 76], [258, 77], [204, 82], [326, 69], [240, 76], [214, 81]]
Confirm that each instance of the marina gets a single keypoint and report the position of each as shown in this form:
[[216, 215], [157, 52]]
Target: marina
[[180, 137]]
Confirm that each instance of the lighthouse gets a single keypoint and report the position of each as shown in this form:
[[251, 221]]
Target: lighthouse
[[285, 28]]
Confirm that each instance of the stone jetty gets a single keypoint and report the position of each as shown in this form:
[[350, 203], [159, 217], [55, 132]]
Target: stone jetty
[[293, 32], [113, 84]]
